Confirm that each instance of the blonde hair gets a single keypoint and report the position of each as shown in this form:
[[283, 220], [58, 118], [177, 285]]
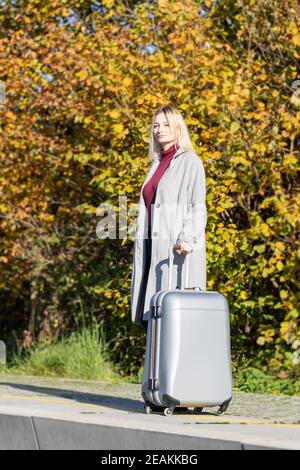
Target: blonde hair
[[179, 127]]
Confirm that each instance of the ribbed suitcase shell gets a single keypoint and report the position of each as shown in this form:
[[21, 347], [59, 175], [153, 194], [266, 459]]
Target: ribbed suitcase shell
[[188, 359]]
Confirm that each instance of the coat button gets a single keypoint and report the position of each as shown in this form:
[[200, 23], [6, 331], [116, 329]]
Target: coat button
[[155, 234], [157, 204]]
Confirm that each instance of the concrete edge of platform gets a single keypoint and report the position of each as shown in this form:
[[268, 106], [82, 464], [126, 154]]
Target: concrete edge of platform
[[38, 433]]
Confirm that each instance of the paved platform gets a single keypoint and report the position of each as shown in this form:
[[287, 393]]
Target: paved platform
[[51, 413]]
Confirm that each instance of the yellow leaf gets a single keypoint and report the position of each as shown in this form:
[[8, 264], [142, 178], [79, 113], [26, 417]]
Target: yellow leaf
[[118, 129], [290, 159], [296, 39], [284, 330], [234, 126], [261, 341], [127, 81], [243, 294], [11, 115], [284, 294], [108, 3], [82, 74], [280, 265], [225, 235], [115, 114]]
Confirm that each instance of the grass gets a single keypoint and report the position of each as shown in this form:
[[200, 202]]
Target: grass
[[82, 355]]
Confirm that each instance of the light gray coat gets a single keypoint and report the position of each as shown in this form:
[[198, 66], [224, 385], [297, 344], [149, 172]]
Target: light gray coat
[[178, 214]]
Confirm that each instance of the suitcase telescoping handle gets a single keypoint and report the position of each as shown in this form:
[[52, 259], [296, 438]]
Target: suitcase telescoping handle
[[186, 271]]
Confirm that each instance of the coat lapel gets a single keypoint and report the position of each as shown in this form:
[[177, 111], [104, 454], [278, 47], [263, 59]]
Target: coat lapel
[[178, 152]]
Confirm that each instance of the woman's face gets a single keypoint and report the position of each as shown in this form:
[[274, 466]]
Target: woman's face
[[163, 132]]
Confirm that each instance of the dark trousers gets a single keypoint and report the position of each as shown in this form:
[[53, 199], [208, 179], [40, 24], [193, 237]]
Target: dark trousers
[[148, 247]]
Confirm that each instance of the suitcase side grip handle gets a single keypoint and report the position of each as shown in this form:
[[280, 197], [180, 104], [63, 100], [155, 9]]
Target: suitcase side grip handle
[[188, 288], [153, 384], [155, 311]]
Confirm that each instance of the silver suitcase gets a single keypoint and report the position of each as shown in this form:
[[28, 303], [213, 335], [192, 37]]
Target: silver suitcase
[[188, 359]]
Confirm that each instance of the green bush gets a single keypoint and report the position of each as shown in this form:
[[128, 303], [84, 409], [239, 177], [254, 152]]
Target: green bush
[[254, 380]]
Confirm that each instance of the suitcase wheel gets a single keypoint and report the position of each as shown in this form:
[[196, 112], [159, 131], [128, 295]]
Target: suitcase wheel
[[168, 411], [148, 409], [198, 410], [222, 409]]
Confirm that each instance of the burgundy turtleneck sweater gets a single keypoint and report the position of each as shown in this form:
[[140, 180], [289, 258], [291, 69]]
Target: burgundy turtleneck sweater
[[149, 191]]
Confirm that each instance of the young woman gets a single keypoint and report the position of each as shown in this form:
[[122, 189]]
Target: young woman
[[172, 212]]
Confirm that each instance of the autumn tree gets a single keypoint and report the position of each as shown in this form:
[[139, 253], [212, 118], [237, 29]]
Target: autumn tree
[[82, 80]]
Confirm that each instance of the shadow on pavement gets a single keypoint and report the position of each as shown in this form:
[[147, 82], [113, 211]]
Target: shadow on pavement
[[115, 402], [119, 403]]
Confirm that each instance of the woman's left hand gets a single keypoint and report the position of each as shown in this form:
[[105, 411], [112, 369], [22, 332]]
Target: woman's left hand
[[183, 247]]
